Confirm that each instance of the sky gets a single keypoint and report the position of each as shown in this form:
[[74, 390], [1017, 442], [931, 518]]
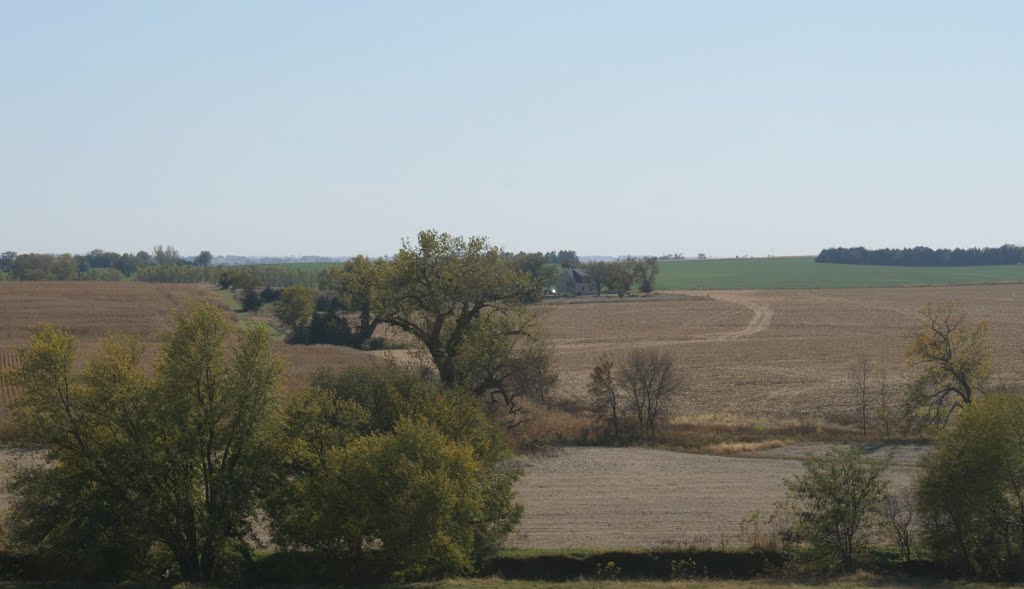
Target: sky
[[724, 127]]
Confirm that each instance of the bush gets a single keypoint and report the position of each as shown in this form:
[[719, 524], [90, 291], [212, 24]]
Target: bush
[[393, 477], [838, 501], [971, 491]]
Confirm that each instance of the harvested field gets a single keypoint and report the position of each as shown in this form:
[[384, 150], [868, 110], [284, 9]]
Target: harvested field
[[91, 310], [778, 353], [642, 498]]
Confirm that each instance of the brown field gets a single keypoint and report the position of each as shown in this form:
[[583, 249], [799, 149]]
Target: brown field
[[769, 354], [773, 353], [91, 310], [642, 498]]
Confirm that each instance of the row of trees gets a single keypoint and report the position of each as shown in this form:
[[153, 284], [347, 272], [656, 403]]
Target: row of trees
[[923, 256], [95, 265], [622, 276], [383, 473]]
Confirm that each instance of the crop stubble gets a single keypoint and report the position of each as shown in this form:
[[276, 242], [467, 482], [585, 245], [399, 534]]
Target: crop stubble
[[643, 498], [91, 310], [774, 352]]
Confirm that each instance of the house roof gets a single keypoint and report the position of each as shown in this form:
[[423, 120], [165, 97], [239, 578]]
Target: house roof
[[581, 276]]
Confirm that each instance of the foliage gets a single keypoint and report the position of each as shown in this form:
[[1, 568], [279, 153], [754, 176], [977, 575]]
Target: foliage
[[644, 272], [505, 363], [954, 360], [804, 273], [166, 255], [7, 261], [355, 284], [971, 490], [924, 256], [461, 298], [295, 309], [620, 276], [174, 273], [838, 498], [392, 474], [564, 258], [139, 465], [536, 265], [203, 259]]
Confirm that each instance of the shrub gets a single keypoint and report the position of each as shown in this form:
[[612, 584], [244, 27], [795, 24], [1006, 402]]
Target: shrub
[[838, 500], [971, 491], [392, 476]]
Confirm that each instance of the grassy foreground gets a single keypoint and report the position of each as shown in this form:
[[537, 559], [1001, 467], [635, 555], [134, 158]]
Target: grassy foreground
[[805, 273]]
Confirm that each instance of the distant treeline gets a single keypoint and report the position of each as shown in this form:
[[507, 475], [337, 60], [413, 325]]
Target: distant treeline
[[923, 256], [163, 265]]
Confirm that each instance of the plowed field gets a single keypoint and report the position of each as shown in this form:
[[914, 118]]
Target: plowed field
[[635, 497], [773, 352]]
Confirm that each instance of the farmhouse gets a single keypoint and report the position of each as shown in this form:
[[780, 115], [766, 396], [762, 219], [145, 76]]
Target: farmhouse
[[575, 282]]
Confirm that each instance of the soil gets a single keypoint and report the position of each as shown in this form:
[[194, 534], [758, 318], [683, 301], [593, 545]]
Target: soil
[[643, 498], [778, 353]]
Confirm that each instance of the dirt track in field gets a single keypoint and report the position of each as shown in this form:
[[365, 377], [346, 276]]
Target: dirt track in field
[[636, 498], [779, 353]]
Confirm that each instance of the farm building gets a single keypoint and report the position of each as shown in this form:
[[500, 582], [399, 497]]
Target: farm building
[[575, 282]]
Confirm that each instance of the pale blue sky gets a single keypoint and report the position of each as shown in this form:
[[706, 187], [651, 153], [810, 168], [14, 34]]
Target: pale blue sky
[[335, 128]]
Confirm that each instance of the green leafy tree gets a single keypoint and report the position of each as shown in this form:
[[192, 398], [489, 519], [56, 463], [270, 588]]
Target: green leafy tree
[[450, 293], [536, 266], [971, 490], [644, 272], [7, 261], [357, 283], [141, 465], [838, 499], [204, 258], [620, 276], [393, 476], [165, 255], [64, 267], [295, 309], [601, 273]]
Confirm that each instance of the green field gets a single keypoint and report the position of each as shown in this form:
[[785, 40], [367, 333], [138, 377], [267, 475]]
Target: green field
[[312, 267], [805, 273]]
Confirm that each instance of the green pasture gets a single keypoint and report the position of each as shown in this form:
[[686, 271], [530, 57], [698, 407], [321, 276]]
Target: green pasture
[[311, 267], [805, 273]]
